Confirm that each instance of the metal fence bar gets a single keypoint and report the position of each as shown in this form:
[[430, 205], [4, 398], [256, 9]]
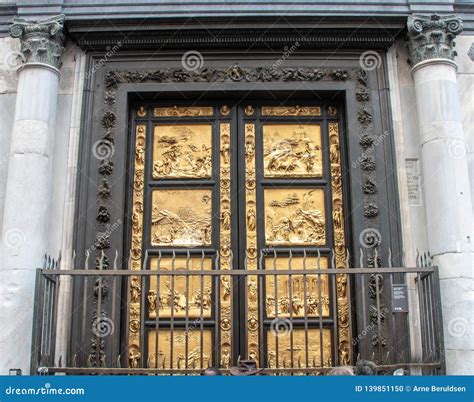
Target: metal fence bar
[[198, 371], [275, 291], [85, 296], [215, 303], [46, 310], [54, 319], [186, 325], [201, 315], [320, 308], [238, 272], [438, 333], [173, 261], [37, 336], [157, 310], [290, 257], [305, 306], [98, 318]]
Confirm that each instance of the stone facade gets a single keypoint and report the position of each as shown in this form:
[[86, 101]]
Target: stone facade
[[436, 210]]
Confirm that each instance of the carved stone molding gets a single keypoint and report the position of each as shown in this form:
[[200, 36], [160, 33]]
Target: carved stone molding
[[432, 37], [309, 35], [234, 73], [41, 41]]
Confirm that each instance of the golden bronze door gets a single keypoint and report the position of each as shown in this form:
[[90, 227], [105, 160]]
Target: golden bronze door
[[219, 194]]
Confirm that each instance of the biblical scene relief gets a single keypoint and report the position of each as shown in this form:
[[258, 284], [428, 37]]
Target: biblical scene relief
[[162, 357], [302, 357], [292, 150], [288, 298], [182, 151], [294, 216], [178, 296], [181, 218]]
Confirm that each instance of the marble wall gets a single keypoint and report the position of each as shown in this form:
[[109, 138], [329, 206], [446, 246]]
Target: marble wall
[[456, 276], [465, 75], [16, 282], [9, 49]]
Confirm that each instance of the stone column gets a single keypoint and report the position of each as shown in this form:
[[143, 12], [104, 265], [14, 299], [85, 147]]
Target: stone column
[[27, 202], [445, 179]]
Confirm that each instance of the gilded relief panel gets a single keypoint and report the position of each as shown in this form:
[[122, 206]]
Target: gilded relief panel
[[301, 355], [294, 216], [183, 111], [292, 150], [291, 111], [193, 296], [182, 151], [290, 292], [181, 218], [173, 349]]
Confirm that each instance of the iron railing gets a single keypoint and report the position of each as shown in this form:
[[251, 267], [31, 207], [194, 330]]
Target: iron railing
[[311, 308]]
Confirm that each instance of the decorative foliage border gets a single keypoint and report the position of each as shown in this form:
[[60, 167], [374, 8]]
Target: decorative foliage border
[[235, 73]]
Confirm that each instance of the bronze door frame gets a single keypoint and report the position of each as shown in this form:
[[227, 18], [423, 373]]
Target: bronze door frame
[[213, 183], [262, 183], [237, 118]]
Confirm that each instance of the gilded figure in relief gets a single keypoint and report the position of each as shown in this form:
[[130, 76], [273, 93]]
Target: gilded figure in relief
[[195, 358], [294, 216], [178, 294], [292, 150], [290, 292], [182, 151], [298, 352], [181, 218]]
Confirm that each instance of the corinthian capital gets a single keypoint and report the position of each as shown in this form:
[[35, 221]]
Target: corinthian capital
[[432, 37], [41, 41]]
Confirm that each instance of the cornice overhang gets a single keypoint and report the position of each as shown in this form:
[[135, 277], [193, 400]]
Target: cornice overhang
[[238, 33]]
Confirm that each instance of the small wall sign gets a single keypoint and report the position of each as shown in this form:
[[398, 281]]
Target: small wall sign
[[399, 298]]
